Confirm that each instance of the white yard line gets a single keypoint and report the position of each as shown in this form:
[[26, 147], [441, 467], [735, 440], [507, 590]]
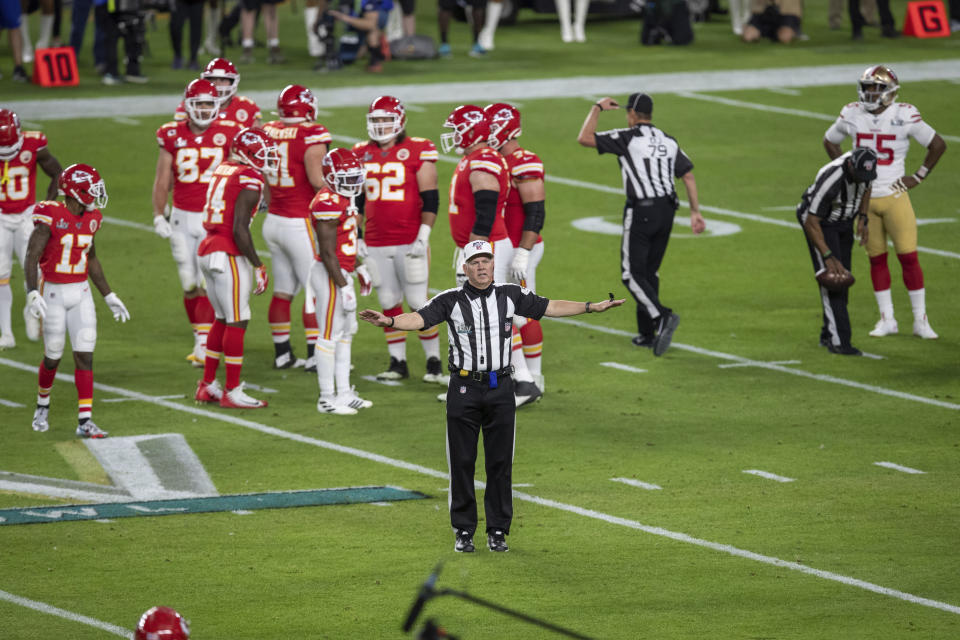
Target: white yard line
[[768, 475], [622, 367], [49, 609], [11, 404], [897, 467], [636, 483], [569, 508], [170, 397], [734, 365]]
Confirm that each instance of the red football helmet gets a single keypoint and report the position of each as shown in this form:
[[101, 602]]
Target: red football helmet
[[344, 172], [469, 125], [162, 623], [84, 184], [11, 137], [222, 69], [202, 102], [381, 130], [296, 101], [255, 148], [504, 123]]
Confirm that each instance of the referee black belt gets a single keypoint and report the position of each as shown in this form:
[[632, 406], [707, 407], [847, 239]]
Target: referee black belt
[[483, 376], [648, 202]]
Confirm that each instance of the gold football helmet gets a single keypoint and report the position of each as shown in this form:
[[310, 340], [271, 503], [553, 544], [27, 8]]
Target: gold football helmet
[[877, 87]]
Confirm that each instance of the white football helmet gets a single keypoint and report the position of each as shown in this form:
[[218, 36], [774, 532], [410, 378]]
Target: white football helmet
[[877, 87]]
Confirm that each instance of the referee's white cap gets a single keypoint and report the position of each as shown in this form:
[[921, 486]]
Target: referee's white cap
[[477, 248]]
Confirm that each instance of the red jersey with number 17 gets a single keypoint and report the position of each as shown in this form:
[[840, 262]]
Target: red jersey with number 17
[[64, 259], [524, 165], [230, 179], [393, 205], [290, 189], [18, 177], [328, 206], [195, 156], [462, 211]]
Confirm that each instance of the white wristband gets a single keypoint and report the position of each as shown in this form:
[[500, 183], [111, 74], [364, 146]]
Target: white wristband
[[921, 173], [424, 232]]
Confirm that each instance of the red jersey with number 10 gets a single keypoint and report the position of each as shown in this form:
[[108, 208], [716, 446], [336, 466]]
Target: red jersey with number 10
[[462, 211], [328, 206], [229, 180], [195, 156], [18, 177], [64, 259], [290, 189], [524, 165]]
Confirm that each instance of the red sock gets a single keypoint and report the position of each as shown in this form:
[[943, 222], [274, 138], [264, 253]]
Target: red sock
[[214, 351], [279, 319], [190, 304], [203, 311], [880, 272], [912, 273], [392, 336], [45, 384], [532, 333], [233, 354], [83, 378]]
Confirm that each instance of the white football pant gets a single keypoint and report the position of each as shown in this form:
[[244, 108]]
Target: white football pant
[[291, 243], [229, 283], [187, 233], [70, 309]]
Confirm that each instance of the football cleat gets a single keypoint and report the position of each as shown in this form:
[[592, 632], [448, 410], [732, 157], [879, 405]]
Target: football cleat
[[464, 543], [922, 329], [7, 341], [442, 397], [526, 393], [40, 417], [32, 325], [435, 372], [310, 364], [477, 51], [287, 360], [396, 371], [497, 541], [667, 326], [90, 430], [444, 50], [212, 392], [236, 398], [329, 405], [352, 400], [885, 327]]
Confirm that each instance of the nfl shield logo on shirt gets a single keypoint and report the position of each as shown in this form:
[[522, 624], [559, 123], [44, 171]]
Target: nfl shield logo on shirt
[[463, 389]]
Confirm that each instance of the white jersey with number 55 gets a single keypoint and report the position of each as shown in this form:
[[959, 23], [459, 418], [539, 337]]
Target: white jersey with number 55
[[888, 133]]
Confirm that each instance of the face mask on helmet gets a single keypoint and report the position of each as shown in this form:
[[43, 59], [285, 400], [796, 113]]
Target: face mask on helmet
[[202, 109], [254, 148], [224, 76], [82, 183], [504, 123], [469, 127], [877, 88], [11, 137], [349, 182], [343, 172], [386, 119]]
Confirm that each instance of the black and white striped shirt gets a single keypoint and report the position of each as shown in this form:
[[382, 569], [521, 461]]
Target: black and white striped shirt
[[649, 160], [833, 197], [480, 322]]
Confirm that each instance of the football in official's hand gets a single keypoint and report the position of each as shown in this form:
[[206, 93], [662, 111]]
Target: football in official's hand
[[836, 281]]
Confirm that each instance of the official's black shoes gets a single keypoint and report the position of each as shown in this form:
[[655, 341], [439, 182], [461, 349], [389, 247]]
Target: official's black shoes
[[464, 542], [845, 350], [497, 541], [668, 324], [396, 371], [643, 341]]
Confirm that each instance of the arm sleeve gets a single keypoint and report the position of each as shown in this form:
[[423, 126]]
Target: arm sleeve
[[611, 142], [485, 204]]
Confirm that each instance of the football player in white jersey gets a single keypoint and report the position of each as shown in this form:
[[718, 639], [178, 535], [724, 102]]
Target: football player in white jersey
[[886, 126]]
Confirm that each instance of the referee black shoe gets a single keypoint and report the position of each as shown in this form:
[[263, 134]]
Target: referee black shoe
[[668, 324], [844, 350], [643, 341], [497, 541], [396, 371], [464, 543]]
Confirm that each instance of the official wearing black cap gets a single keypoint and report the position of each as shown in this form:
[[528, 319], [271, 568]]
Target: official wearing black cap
[[479, 317], [840, 193], [649, 160]]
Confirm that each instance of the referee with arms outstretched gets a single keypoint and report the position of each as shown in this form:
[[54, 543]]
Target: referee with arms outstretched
[[479, 317], [650, 160]]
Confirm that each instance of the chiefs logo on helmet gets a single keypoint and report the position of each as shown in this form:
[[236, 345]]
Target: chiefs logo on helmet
[[296, 101], [162, 623], [84, 184], [470, 126], [504, 123], [255, 148]]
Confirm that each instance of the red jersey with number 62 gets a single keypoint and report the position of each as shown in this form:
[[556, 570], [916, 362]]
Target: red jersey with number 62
[[230, 179], [393, 205], [290, 189], [524, 165], [462, 211], [18, 177], [64, 259], [328, 206], [195, 156]]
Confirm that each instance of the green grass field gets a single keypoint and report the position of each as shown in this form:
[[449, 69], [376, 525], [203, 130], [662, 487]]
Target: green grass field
[[848, 549]]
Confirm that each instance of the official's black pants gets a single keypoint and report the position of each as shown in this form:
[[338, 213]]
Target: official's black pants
[[111, 23], [183, 11], [836, 321], [473, 407], [646, 232]]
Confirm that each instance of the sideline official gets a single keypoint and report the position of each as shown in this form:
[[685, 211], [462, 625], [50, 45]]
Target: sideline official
[[649, 161], [479, 317]]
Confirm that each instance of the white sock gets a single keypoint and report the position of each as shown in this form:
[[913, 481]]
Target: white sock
[[918, 300], [46, 31], [563, 14], [248, 43], [314, 46], [212, 19], [342, 364], [884, 303], [6, 304], [580, 19], [325, 367], [25, 34], [520, 371], [431, 347], [492, 19], [398, 349], [273, 43]]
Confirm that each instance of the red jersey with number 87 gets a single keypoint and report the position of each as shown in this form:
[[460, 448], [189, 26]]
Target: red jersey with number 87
[[393, 205], [290, 189], [462, 211], [18, 177], [195, 156], [328, 206], [64, 259], [230, 179]]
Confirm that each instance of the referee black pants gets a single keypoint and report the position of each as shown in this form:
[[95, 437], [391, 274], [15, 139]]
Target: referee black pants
[[646, 232], [836, 320], [473, 407]]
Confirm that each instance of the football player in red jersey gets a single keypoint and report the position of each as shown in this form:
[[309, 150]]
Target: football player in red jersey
[[524, 219], [302, 144], [478, 197], [62, 247], [336, 220], [400, 209], [230, 263], [20, 154], [190, 151], [239, 109], [162, 623]]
